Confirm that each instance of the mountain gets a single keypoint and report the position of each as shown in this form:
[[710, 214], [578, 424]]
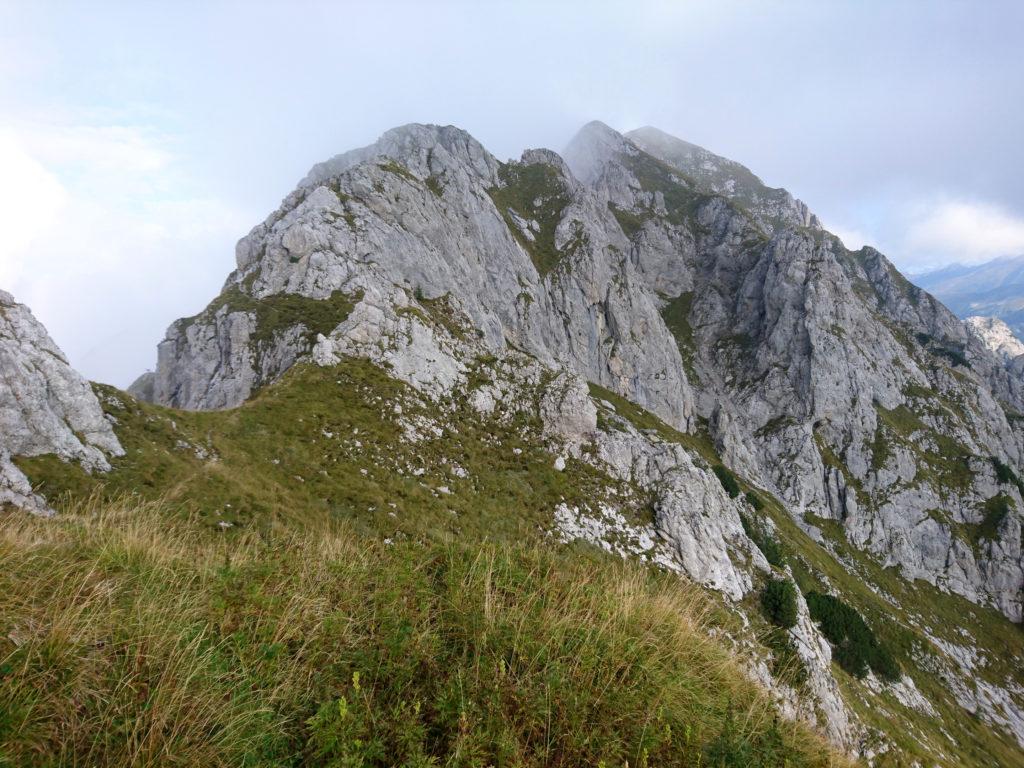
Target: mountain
[[993, 289], [639, 346]]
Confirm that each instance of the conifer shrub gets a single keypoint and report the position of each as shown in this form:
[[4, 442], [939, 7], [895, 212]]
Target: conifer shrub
[[778, 599], [770, 546], [856, 649], [727, 479]]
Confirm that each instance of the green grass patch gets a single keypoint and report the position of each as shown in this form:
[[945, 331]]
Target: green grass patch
[[645, 421], [758, 531], [131, 637], [280, 312], [535, 192], [995, 511], [328, 444]]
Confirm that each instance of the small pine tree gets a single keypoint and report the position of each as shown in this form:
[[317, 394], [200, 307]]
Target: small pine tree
[[779, 602], [728, 480]]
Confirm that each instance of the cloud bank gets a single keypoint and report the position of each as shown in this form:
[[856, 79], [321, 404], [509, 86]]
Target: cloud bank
[[107, 239]]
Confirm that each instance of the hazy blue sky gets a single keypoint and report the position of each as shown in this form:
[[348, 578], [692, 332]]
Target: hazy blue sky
[[139, 141]]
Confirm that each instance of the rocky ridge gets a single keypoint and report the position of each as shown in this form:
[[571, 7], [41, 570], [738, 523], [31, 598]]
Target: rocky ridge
[[801, 355]]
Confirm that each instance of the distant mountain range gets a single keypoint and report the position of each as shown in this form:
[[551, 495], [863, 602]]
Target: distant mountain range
[[993, 289]]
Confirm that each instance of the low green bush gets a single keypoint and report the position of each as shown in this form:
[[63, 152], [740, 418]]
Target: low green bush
[[727, 479], [856, 648], [770, 547], [779, 602]]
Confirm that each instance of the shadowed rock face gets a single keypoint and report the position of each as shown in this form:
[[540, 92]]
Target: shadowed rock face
[[45, 406]]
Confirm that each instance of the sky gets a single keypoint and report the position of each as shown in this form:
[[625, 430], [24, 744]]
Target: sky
[[140, 140]]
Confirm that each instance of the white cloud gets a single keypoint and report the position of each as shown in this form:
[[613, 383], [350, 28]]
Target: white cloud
[[31, 199], [852, 238], [966, 232], [108, 239]]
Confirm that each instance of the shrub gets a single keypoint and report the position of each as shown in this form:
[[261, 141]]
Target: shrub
[[1006, 476], [995, 511], [856, 648], [770, 547], [727, 479], [779, 602], [754, 501]]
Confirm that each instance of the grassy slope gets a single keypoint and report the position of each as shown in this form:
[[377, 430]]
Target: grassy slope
[[294, 458], [328, 444], [348, 618]]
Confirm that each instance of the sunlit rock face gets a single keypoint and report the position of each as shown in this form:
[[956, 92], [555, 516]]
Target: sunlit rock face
[[45, 407], [997, 336], [669, 275]]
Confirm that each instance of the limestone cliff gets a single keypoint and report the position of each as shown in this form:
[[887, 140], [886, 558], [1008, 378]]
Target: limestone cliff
[[45, 407]]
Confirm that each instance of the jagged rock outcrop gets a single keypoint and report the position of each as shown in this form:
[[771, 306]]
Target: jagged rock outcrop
[[697, 528], [430, 210], [45, 407], [805, 356], [996, 335], [143, 387]]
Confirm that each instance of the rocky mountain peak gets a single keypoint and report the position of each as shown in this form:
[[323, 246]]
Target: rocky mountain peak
[[425, 150], [589, 150], [641, 270]]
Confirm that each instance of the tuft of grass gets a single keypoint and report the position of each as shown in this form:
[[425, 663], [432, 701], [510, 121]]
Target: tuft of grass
[[631, 222], [676, 314], [994, 512], [280, 312], [643, 420], [131, 636]]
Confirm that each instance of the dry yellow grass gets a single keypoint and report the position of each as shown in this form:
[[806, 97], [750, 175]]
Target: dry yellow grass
[[132, 637]]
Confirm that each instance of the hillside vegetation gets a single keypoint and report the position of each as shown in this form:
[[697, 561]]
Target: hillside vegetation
[[326, 449], [132, 636]]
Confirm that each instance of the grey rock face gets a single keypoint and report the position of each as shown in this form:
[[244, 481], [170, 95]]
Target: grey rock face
[[429, 210], [45, 406], [143, 387], [805, 357], [996, 336], [669, 275], [697, 530]]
